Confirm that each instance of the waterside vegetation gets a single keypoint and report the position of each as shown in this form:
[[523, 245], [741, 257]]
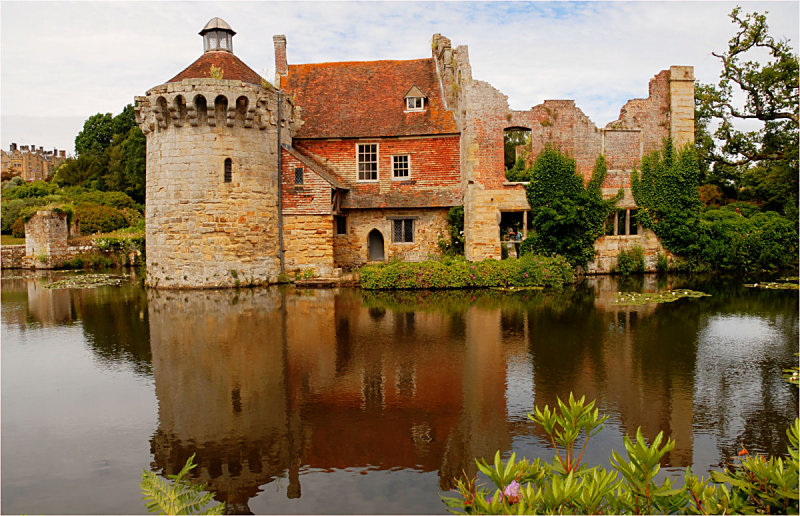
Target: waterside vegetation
[[751, 484]]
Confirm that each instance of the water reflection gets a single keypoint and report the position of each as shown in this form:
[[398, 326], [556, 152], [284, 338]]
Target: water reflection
[[275, 388]]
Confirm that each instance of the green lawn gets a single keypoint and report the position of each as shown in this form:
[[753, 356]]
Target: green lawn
[[11, 240]]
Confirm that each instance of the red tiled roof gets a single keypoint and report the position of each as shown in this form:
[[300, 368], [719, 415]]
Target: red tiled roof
[[366, 99], [232, 68]]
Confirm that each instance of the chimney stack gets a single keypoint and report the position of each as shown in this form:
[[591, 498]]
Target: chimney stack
[[281, 67], [62, 153], [13, 147]]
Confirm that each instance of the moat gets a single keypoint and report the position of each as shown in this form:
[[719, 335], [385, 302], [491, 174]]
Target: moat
[[347, 401]]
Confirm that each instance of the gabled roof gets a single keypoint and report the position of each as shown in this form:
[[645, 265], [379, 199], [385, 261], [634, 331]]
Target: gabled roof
[[414, 92], [232, 68], [366, 99]]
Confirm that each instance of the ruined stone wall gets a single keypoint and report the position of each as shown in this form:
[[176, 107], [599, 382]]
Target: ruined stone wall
[[12, 256], [308, 243], [200, 228], [46, 236], [351, 250], [482, 114], [608, 247]]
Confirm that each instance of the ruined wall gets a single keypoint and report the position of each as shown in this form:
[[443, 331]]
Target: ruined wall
[[608, 247], [308, 243], [200, 227], [482, 114], [12, 256], [351, 250]]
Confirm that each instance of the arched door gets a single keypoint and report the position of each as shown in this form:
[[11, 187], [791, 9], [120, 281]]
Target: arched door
[[375, 243]]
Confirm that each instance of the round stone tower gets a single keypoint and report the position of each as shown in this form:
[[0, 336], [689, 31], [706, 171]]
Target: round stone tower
[[212, 171]]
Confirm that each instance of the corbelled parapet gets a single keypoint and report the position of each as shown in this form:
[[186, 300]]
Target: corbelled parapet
[[212, 182]]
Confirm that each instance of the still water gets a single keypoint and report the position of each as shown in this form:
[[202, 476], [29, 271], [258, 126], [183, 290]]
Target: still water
[[343, 401]]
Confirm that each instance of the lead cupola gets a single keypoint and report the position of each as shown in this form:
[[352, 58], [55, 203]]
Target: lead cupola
[[217, 35]]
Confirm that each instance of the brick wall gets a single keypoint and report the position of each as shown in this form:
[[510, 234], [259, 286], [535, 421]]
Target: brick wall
[[312, 197], [434, 176], [608, 247], [351, 250]]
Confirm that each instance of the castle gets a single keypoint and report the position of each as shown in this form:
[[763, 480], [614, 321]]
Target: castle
[[340, 164], [29, 162]]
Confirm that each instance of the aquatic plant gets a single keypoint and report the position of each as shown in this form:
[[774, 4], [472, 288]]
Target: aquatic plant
[[755, 484], [177, 496]]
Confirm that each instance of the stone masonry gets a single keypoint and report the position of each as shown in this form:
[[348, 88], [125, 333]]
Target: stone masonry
[[202, 230]]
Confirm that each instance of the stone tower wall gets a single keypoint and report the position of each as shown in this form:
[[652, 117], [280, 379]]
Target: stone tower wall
[[204, 232]]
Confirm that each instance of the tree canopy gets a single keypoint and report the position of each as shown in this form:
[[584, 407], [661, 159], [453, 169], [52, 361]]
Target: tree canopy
[[753, 150]]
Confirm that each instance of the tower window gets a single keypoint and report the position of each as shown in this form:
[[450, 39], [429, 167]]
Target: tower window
[[298, 175], [228, 170]]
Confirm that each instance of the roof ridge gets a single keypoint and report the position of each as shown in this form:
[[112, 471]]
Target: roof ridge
[[363, 62]]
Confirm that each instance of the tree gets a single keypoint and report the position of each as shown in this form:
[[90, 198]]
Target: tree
[[763, 161], [96, 135], [567, 216]]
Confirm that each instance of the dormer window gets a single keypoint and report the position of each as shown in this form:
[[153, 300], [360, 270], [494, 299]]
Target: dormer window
[[415, 100], [414, 103]]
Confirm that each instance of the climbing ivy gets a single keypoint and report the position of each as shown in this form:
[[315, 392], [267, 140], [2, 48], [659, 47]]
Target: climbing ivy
[[567, 216], [667, 194]]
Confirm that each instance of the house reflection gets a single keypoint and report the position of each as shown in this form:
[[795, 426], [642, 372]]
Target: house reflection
[[265, 382]]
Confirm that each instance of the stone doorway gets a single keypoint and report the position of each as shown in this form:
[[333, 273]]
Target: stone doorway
[[375, 243]]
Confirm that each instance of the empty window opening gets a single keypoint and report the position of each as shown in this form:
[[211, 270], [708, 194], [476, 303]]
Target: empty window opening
[[400, 167], [367, 155], [622, 222], [516, 147], [403, 230], [298, 175], [340, 222], [375, 245], [228, 170]]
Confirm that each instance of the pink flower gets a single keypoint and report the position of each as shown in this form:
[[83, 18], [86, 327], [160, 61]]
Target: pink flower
[[526, 274], [512, 492], [472, 267], [472, 276], [545, 270]]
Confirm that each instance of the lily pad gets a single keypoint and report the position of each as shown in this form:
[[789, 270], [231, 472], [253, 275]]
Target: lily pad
[[774, 285], [643, 298], [89, 281]]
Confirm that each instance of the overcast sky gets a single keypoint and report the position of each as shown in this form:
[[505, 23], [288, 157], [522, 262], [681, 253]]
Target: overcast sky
[[61, 62]]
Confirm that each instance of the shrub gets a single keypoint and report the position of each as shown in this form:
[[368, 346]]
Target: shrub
[[455, 229], [18, 228], [529, 271], [567, 486], [567, 215], [662, 263], [630, 261], [32, 189], [96, 218]]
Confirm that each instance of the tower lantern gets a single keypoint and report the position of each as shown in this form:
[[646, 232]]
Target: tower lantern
[[217, 36]]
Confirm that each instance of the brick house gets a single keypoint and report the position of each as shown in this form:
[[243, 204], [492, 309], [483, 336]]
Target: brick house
[[343, 163]]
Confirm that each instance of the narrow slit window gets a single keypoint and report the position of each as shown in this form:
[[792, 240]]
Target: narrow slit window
[[228, 170], [341, 224], [298, 175]]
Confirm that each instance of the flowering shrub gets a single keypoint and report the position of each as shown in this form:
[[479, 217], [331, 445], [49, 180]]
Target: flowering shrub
[[756, 485], [528, 271]]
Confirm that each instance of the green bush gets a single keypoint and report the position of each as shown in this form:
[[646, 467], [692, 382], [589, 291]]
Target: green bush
[[32, 189], [96, 218], [528, 271], [756, 485], [18, 228], [567, 215], [630, 261], [455, 229], [662, 263]]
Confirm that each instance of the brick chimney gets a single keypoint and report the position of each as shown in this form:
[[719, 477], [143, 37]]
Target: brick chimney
[[281, 68], [13, 147]]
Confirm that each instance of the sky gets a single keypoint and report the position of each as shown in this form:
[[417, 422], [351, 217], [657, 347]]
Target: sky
[[61, 62]]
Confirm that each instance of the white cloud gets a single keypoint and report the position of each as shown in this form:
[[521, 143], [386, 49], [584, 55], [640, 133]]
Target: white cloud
[[73, 59]]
